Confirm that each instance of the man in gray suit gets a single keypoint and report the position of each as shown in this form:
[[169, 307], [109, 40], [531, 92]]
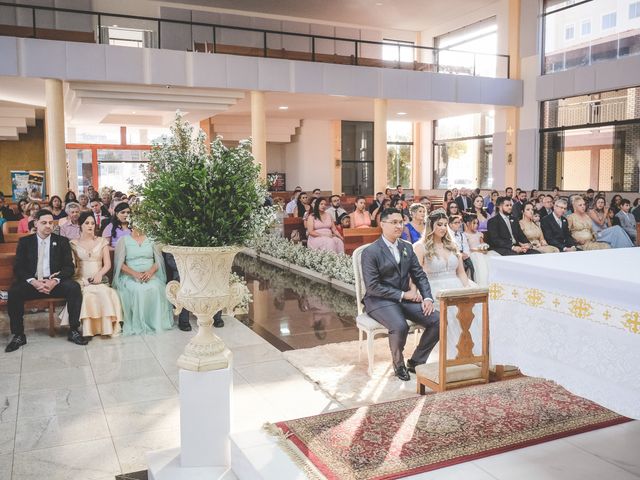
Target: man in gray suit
[[387, 266]]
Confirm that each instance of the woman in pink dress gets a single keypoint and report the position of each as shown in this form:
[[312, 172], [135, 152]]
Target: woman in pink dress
[[321, 231]]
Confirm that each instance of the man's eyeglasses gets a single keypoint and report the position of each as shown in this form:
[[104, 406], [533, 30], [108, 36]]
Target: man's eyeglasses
[[393, 222]]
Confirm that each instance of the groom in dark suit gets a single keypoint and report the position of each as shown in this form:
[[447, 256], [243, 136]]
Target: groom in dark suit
[[43, 268], [387, 266]]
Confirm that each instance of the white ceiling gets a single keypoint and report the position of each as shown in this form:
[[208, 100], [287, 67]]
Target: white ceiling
[[414, 15]]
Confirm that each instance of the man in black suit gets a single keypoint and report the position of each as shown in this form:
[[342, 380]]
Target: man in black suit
[[100, 218], [43, 268], [518, 205], [547, 206], [463, 201], [555, 228], [387, 265], [377, 202], [504, 234]]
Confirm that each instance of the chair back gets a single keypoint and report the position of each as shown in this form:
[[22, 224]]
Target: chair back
[[357, 273], [10, 226]]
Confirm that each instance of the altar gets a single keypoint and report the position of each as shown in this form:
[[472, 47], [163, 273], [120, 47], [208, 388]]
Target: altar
[[573, 318]]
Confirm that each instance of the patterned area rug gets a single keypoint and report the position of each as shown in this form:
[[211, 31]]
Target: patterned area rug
[[406, 437]]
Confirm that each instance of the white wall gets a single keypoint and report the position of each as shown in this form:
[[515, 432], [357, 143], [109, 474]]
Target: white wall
[[309, 156], [276, 158]]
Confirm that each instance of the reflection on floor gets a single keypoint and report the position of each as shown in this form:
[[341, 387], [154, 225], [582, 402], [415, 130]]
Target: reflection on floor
[[291, 311]]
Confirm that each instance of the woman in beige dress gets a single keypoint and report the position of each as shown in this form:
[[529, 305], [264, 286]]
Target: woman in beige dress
[[581, 227], [533, 232], [101, 312]]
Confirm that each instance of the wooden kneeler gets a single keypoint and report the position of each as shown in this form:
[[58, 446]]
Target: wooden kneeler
[[466, 368]]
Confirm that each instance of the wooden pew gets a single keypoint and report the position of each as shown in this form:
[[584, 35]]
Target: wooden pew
[[8, 247], [292, 224], [354, 237], [10, 227], [6, 280], [638, 234]]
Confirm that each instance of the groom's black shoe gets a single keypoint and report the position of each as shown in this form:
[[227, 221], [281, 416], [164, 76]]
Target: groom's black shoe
[[411, 365], [402, 373], [185, 327], [218, 322], [75, 337], [16, 342]]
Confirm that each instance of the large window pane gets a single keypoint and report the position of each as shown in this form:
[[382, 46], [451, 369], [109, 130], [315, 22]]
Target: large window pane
[[119, 169], [79, 164], [607, 30], [399, 165]]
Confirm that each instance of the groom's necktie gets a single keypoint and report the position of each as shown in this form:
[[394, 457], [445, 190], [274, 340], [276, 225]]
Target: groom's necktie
[[395, 252]]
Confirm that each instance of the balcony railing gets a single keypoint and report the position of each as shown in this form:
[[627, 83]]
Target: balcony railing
[[593, 111], [137, 31]]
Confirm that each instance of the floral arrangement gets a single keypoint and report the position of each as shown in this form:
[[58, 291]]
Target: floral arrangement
[[331, 264], [200, 195], [242, 296]]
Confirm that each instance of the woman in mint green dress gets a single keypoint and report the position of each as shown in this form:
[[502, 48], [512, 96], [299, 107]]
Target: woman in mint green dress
[[139, 278]]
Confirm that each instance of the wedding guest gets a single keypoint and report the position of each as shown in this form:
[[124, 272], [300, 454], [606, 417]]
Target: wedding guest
[[43, 268], [5, 211], [636, 210], [555, 228], [71, 229], [533, 197], [106, 199], [315, 194], [139, 278], [479, 250], [321, 230], [518, 205], [455, 222], [101, 312], [414, 229], [491, 203], [386, 203], [399, 204], [335, 210], [426, 203], [376, 203], [83, 201], [480, 213], [22, 209], [101, 220], [547, 206], [31, 209], [508, 192], [533, 232], [590, 198], [70, 197], [389, 298], [343, 222], [56, 207], [555, 193], [118, 227], [475, 238], [627, 221], [360, 217], [447, 199], [387, 193], [453, 209], [581, 227], [463, 201], [614, 206], [454, 193], [504, 234], [601, 223], [303, 206], [399, 193], [293, 203]]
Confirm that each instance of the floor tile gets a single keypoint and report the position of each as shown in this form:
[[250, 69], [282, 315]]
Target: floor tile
[[8, 408], [7, 434], [119, 352], [10, 364], [132, 449], [126, 370], [44, 432], [141, 390], [93, 460], [6, 465], [249, 354], [36, 361], [56, 379], [552, 460], [144, 416], [9, 383], [64, 401]]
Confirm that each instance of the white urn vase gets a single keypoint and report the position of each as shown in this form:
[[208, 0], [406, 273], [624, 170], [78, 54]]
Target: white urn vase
[[203, 290]]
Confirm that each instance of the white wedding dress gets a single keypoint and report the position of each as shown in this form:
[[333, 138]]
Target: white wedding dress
[[442, 276]]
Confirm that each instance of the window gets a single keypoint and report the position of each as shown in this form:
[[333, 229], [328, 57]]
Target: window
[[609, 20], [397, 50], [585, 28], [595, 22], [399, 153], [463, 151], [569, 32], [591, 141]]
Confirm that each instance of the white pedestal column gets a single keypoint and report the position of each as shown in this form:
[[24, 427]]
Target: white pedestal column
[[205, 424], [380, 144], [55, 158]]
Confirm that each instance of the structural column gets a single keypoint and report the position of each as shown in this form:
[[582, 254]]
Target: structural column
[[259, 132], [56, 162], [380, 145]]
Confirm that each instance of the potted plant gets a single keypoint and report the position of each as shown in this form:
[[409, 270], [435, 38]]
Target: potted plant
[[203, 203]]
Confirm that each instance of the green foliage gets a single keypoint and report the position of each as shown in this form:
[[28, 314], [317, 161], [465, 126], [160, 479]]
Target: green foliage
[[193, 197]]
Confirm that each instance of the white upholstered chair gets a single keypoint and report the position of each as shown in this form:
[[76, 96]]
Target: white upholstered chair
[[366, 324]]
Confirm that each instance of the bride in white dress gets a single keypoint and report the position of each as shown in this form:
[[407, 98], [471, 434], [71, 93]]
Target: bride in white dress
[[439, 257]]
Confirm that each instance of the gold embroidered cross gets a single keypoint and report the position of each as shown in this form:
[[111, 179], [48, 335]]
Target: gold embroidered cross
[[556, 302], [632, 322], [606, 315], [514, 293]]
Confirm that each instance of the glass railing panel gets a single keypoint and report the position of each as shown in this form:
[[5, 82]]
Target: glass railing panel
[[129, 32]]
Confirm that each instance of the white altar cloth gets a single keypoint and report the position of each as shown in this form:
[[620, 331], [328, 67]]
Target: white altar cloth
[[573, 318]]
